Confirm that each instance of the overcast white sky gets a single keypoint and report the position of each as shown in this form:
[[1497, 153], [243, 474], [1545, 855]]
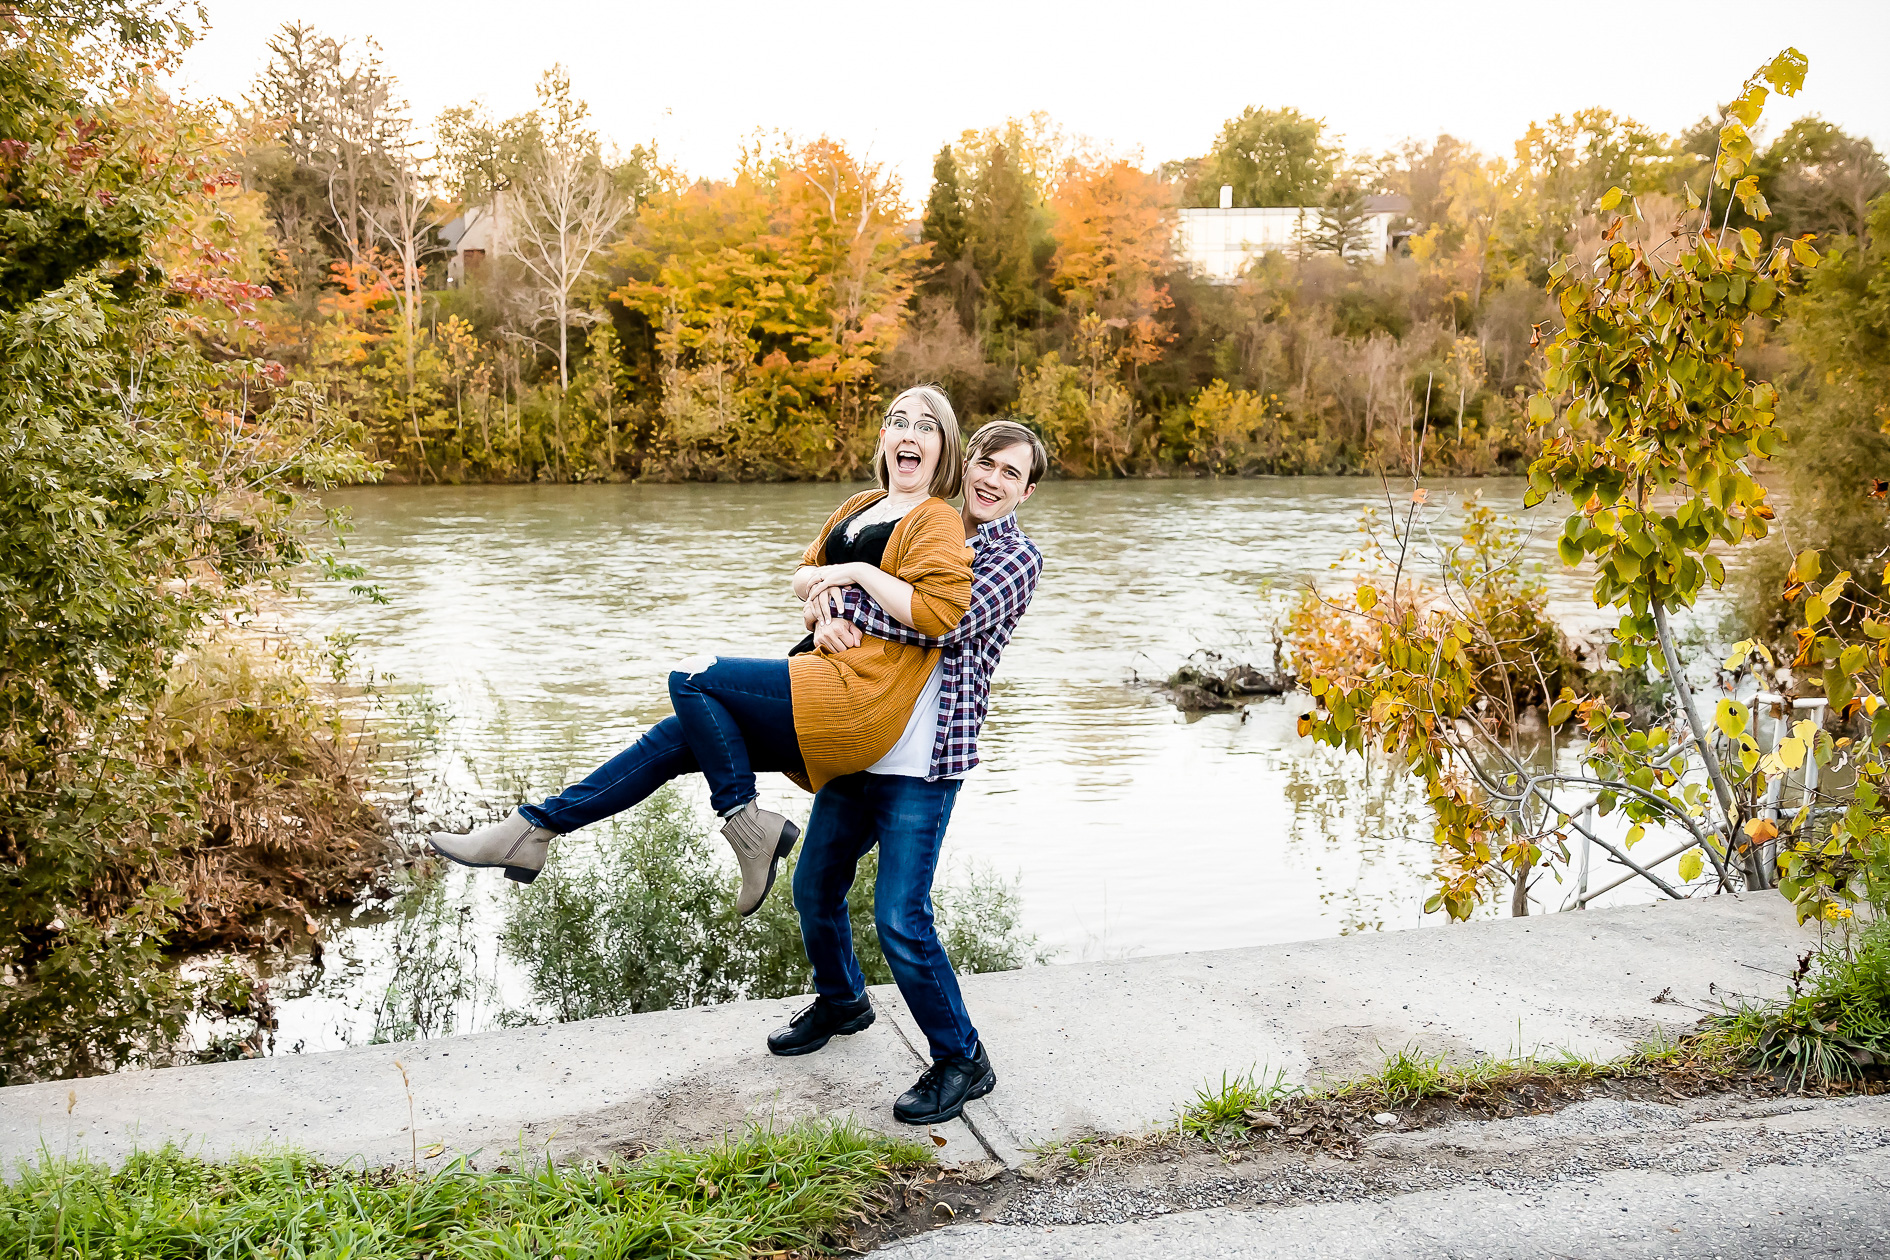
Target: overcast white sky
[[900, 80]]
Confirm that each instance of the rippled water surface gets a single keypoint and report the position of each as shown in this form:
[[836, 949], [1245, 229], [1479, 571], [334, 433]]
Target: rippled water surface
[[544, 620]]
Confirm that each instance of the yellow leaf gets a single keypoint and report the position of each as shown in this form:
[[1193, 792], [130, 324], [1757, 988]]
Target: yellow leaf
[[1305, 724], [1367, 598], [1635, 833], [1730, 717], [1791, 753], [1691, 864], [1806, 730], [1737, 657], [1759, 830]]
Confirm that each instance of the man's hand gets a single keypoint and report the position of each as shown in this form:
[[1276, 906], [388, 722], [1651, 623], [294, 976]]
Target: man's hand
[[837, 635]]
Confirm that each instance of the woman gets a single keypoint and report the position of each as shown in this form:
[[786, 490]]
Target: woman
[[814, 715]]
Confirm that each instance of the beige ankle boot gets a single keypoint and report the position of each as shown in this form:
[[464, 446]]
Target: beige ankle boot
[[511, 842], [760, 840]]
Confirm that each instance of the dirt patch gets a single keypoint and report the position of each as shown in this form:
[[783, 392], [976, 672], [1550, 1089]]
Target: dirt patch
[[1324, 1151]]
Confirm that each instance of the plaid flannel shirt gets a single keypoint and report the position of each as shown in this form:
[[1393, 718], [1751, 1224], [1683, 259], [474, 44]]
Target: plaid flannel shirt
[[1005, 566]]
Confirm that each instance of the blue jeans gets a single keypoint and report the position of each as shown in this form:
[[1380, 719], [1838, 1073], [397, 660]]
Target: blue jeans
[[906, 817], [732, 719]]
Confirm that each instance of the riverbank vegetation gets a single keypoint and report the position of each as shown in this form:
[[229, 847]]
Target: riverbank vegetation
[[763, 1192], [207, 318], [637, 914], [1655, 425], [158, 786], [643, 918], [522, 298]]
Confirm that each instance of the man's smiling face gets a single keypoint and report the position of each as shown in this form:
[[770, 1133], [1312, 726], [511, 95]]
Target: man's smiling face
[[997, 482]]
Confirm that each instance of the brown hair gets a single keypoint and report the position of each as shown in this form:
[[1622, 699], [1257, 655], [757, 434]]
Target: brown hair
[[949, 477], [1001, 435]]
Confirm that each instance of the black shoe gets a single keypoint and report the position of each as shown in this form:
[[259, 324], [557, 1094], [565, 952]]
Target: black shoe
[[814, 1025], [945, 1088]]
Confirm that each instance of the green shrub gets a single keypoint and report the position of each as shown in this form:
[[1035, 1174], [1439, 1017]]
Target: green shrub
[[145, 485], [1835, 1025], [640, 916]]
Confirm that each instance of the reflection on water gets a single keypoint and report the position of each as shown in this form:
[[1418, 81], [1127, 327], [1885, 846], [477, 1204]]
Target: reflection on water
[[544, 621]]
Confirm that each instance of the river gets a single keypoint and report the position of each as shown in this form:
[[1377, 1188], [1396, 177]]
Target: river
[[540, 622]]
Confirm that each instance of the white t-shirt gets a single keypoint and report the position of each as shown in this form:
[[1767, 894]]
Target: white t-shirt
[[912, 755]]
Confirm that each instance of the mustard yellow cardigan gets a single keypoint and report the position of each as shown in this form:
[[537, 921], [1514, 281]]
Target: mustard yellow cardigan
[[851, 707]]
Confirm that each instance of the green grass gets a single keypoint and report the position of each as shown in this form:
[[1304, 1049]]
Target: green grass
[[1410, 1076], [1836, 1021], [763, 1191], [1220, 1110]]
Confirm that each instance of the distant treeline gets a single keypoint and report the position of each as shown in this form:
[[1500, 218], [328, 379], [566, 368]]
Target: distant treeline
[[628, 320]]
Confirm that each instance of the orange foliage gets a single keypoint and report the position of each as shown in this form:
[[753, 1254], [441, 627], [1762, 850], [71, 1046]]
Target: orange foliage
[[1114, 230]]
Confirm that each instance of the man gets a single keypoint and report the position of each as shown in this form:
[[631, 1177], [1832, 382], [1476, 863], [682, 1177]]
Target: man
[[904, 802]]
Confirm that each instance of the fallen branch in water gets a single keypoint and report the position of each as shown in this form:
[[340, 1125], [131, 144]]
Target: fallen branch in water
[[1208, 682]]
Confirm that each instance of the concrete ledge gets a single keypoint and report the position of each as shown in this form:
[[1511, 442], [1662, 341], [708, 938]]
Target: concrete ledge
[[1086, 1048]]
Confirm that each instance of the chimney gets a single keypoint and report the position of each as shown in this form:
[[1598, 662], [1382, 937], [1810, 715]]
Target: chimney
[[1227, 196]]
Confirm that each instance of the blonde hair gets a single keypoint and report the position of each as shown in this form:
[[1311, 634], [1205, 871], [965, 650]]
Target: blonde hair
[[949, 477]]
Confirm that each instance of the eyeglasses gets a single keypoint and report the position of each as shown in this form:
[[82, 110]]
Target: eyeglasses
[[901, 424]]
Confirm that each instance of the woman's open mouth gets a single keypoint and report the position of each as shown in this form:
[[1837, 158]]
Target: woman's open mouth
[[908, 461]]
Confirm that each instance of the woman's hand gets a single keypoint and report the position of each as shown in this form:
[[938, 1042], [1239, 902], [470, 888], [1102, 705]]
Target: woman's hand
[[812, 577], [824, 592]]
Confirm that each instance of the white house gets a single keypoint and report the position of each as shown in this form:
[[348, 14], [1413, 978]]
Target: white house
[[1218, 244], [473, 237]]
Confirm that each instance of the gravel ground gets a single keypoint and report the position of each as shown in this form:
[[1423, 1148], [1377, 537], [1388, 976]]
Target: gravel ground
[[1728, 1175]]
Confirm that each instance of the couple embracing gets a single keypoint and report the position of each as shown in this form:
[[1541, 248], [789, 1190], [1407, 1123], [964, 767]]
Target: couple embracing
[[908, 603]]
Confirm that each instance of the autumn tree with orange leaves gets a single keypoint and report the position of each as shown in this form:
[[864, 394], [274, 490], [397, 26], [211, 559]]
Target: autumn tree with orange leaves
[[1114, 226], [772, 297]]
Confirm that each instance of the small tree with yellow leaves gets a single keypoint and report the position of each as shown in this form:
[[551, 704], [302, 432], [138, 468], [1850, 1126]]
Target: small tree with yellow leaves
[[1655, 429]]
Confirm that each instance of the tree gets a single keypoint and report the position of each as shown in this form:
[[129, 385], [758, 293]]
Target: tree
[[1113, 226], [1655, 425], [774, 297], [1344, 224], [568, 212], [145, 485], [1819, 180], [1271, 157], [1562, 168], [405, 223], [342, 137], [1424, 173], [1838, 338], [950, 276], [1004, 224], [943, 225]]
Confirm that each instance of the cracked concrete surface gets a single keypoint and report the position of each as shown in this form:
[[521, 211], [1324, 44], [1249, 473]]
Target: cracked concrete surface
[[1110, 1047]]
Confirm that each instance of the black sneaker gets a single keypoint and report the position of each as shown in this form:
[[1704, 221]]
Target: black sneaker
[[817, 1023], [945, 1088]]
